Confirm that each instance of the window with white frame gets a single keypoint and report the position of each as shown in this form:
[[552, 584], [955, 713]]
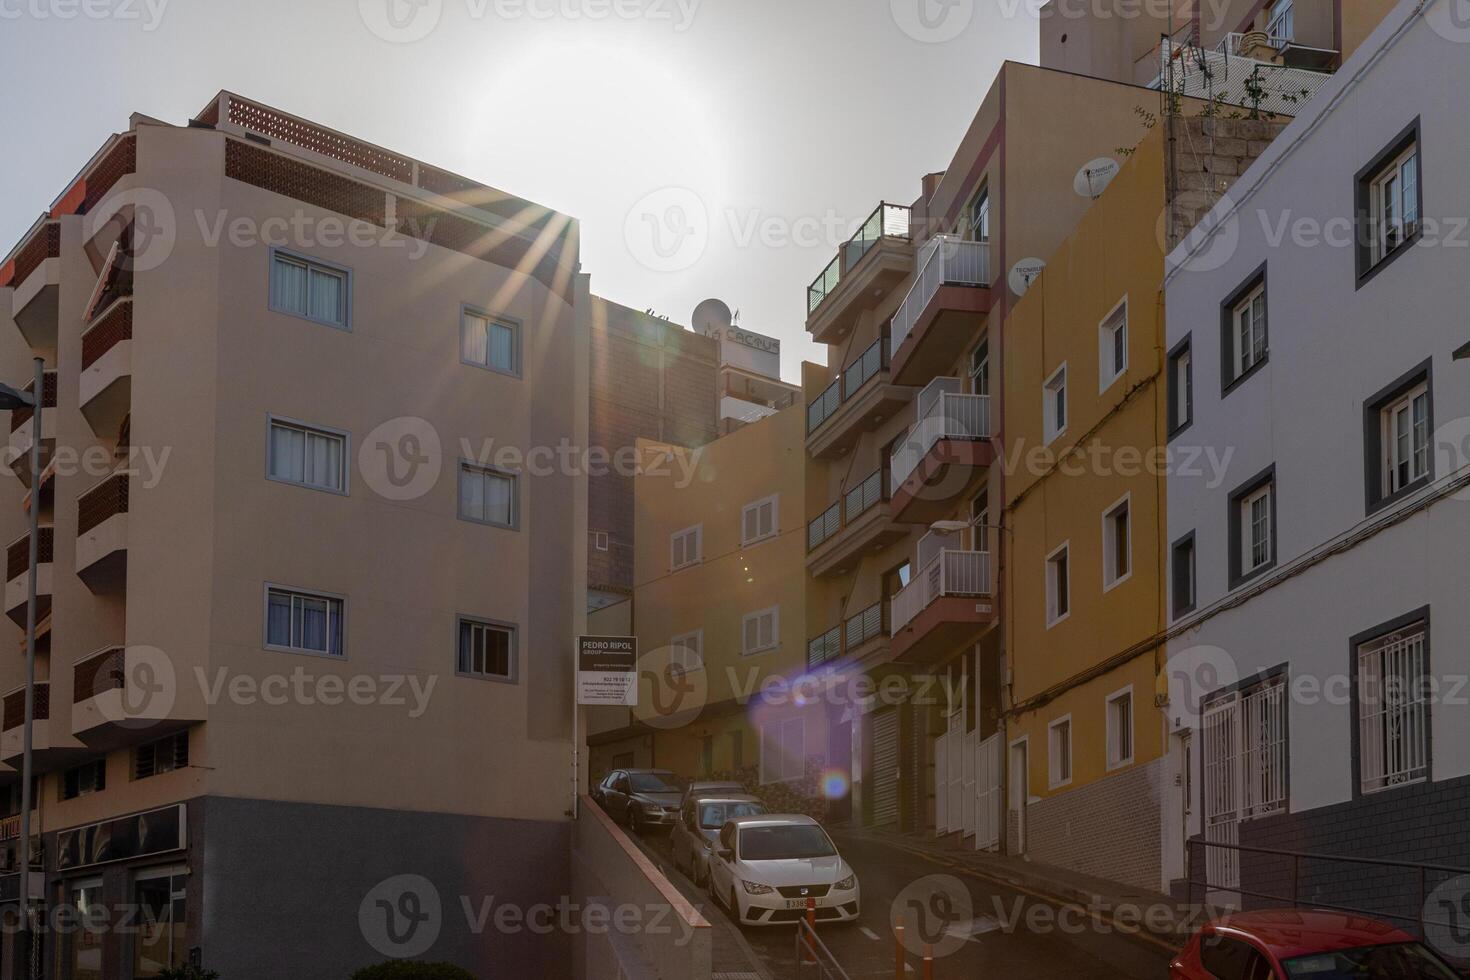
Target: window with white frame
[[686, 651], [298, 621], [1054, 406], [980, 368], [307, 456], [783, 751], [1112, 346], [487, 496], [686, 547], [1120, 728], [1394, 200], [1181, 387], [1256, 515], [1405, 428], [1393, 709], [309, 288], [1244, 751], [1117, 530], [1253, 527], [600, 540], [760, 631], [486, 650], [759, 520], [1282, 25], [1248, 317], [1059, 751], [490, 342], [980, 216], [1058, 586]]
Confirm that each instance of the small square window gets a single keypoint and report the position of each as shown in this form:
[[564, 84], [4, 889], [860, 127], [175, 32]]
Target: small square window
[[600, 541], [1117, 544], [1054, 407], [759, 520], [1112, 351], [1181, 388], [686, 547], [490, 342], [1058, 586], [297, 621], [1182, 575], [164, 755], [310, 289], [487, 496], [89, 777], [1120, 728], [760, 631], [307, 456], [1059, 752], [486, 650]]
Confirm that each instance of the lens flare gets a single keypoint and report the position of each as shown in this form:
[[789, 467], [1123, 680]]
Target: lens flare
[[834, 784]]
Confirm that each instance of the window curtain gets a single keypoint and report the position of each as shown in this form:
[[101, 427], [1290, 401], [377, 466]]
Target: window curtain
[[313, 624], [323, 461], [472, 494], [502, 347], [288, 286], [473, 338], [288, 453], [278, 620], [326, 297]]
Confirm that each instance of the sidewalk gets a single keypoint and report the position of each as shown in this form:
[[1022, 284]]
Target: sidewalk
[[1147, 915]]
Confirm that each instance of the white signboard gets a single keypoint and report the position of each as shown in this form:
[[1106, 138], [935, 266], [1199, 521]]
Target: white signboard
[[607, 670]]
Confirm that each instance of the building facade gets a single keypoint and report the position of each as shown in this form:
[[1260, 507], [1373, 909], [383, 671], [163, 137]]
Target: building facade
[[294, 518], [1315, 617]]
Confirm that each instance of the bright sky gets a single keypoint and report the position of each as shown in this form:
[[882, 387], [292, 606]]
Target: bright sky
[[709, 147]]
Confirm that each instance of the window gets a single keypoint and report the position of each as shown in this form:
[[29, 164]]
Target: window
[[686, 547], [1252, 522], [164, 755], [1112, 350], [686, 651], [1233, 959], [783, 751], [1059, 741], [486, 650], [1390, 203], [162, 939], [980, 216], [760, 631], [310, 288], [89, 777], [303, 622], [85, 955], [980, 368], [1181, 564], [1244, 751], [759, 520], [1398, 423], [1181, 388], [1058, 587], [1117, 544], [1282, 24], [599, 540], [1243, 342], [1393, 707], [1054, 408], [487, 496], [1120, 728], [307, 456], [490, 342]]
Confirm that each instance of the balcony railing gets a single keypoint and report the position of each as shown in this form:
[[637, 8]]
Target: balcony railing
[[44, 243], [949, 573], [102, 336], [824, 406], [944, 260], [888, 221], [949, 415], [13, 715], [1225, 75], [18, 555], [854, 503], [20, 416], [103, 671], [821, 649], [846, 386], [824, 526], [856, 630], [107, 499]]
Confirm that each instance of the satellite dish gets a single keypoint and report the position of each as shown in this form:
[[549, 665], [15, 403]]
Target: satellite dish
[[711, 318], [1094, 177], [1023, 274]]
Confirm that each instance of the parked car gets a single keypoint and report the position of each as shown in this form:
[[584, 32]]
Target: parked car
[[1305, 944], [643, 799], [763, 869], [700, 819], [712, 787]]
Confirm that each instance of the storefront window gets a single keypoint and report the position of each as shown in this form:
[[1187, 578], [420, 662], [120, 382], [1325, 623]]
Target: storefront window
[[86, 940], [161, 940]]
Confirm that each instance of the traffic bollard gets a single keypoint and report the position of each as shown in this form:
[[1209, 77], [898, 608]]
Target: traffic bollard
[[898, 949], [928, 962]]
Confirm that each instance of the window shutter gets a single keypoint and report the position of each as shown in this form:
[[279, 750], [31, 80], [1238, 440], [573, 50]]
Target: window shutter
[[751, 529]]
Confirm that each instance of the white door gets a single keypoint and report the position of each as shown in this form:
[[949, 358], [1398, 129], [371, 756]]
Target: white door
[[967, 775], [955, 772], [1020, 792], [1222, 791], [988, 801]]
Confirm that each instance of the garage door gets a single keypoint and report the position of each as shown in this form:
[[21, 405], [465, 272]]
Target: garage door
[[885, 767]]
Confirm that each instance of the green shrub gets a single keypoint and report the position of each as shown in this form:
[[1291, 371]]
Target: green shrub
[[412, 970]]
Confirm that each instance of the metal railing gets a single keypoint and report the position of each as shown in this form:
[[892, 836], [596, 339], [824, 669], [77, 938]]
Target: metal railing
[[869, 364], [824, 526], [851, 505], [950, 415], [887, 221], [863, 626], [944, 260], [949, 573], [1222, 75], [820, 649], [813, 958], [855, 630], [824, 406]]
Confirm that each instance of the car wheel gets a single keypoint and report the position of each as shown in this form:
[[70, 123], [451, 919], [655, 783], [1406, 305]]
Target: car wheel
[[634, 824]]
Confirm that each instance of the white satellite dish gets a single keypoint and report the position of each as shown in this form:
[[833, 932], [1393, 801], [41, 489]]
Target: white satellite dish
[[1023, 274], [711, 318], [1095, 176]]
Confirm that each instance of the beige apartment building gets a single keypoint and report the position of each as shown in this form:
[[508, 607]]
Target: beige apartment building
[[310, 564]]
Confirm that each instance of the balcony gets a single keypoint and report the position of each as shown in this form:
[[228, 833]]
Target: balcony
[[855, 402], [120, 696], [102, 535], [1246, 70], [18, 575], [944, 309], [860, 636], [23, 428], [12, 729], [945, 607], [106, 388], [859, 523], [35, 272], [944, 458], [874, 260]]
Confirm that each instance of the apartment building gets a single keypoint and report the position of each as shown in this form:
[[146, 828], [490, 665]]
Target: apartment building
[[1316, 333], [309, 588], [719, 597], [750, 382]]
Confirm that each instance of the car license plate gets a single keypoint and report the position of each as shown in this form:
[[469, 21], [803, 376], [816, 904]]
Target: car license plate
[[796, 903]]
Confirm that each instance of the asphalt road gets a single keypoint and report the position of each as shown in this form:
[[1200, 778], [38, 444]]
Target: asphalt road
[[1002, 933]]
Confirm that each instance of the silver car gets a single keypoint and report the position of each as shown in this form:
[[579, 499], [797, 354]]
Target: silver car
[[699, 823]]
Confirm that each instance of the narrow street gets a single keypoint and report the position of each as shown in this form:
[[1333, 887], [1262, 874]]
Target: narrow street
[[996, 942]]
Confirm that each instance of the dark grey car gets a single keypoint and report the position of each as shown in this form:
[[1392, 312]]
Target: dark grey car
[[644, 799]]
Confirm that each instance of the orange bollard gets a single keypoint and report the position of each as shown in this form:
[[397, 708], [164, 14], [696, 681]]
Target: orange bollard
[[928, 962], [898, 949]]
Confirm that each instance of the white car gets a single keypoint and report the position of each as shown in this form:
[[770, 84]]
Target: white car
[[763, 869]]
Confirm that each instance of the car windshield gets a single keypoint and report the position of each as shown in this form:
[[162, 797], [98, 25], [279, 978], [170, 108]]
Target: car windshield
[[652, 782], [1400, 961], [784, 842], [712, 816]]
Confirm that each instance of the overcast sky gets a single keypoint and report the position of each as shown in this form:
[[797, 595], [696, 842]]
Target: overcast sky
[[709, 147]]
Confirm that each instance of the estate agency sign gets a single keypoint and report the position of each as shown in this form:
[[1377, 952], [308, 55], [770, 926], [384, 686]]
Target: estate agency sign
[[607, 670]]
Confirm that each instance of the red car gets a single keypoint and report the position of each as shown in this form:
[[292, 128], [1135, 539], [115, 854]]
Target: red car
[[1305, 944]]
